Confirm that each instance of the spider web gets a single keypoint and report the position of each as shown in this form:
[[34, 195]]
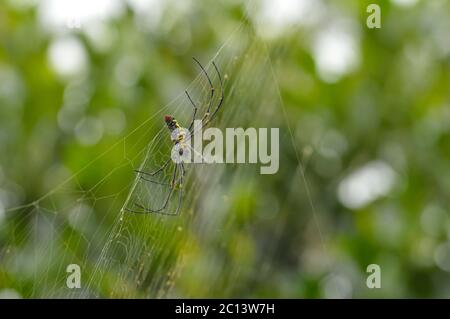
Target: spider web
[[226, 239]]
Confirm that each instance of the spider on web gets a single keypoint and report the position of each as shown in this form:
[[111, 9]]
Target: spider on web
[[178, 136]]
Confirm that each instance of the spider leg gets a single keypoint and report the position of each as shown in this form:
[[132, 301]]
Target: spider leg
[[211, 88], [180, 196], [155, 172], [172, 184], [221, 93], [208, 117], [154, 182], [195, 111], [145, 211]]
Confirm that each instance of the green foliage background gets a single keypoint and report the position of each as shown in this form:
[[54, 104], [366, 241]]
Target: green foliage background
[[393, 107]]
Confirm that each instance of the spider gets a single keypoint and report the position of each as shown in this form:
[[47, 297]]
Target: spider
[[178, 136]]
